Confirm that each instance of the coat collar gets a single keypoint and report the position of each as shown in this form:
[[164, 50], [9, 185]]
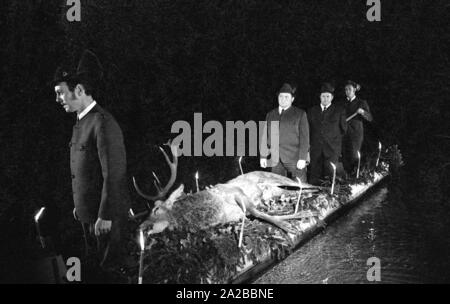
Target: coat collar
[[350, 100]]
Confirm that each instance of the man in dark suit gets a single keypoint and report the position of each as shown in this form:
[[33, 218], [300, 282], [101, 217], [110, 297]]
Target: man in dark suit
[[293, 135], [354, 137], [327, 126], [97, 161]]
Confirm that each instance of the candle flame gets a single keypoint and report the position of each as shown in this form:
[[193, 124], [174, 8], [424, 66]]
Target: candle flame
[[333, 165], [141, 240], [38, 215], [131, 212], [379, 145], [196, 175], [359, 154], [240, 159]]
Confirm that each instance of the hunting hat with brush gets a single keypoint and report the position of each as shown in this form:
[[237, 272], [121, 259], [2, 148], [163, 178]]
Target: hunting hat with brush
[[89, 70]]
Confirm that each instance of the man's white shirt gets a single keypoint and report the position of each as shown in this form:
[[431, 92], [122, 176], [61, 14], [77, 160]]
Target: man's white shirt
[[85, 111], [281, 109], [324, 107]]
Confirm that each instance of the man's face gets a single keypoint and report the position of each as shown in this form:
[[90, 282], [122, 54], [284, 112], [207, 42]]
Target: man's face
[[66, 98], [325, 99], [350, 91], [285, 100]]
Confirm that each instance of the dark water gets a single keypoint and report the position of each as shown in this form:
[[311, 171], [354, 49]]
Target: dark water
[[406, 224]]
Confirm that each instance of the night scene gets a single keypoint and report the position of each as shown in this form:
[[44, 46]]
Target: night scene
[[213, 142]]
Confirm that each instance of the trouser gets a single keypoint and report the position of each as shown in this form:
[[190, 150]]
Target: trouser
[[291, 168], [320, 167], [106, 251], [351, 144]]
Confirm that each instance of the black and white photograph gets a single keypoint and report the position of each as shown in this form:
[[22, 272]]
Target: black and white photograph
[[241, 144]]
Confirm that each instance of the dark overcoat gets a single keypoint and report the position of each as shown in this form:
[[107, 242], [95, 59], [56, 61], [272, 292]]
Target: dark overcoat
[[98, 167], [293, 134], [354, 137], [326, 130]]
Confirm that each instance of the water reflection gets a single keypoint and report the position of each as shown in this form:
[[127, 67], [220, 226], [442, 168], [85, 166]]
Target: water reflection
[[410, 241]]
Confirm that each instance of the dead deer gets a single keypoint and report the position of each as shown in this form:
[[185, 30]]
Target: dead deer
[[218, 204]]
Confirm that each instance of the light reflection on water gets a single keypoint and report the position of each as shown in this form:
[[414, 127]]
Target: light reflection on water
[[411, 240]]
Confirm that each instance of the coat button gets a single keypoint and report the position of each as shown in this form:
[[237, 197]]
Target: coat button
[[73, 176]]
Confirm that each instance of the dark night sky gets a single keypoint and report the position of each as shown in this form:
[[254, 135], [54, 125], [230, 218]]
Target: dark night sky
[[165, 60]]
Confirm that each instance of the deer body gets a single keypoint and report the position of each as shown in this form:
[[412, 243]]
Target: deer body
[[222, 203]]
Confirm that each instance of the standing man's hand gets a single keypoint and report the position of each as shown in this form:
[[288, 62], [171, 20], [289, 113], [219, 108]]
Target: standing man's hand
[[263, 162], [360, 111], [102, 227], [301, 164], [75, 216]]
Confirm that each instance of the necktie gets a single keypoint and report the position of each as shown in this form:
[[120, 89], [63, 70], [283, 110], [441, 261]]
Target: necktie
[[323, 113]]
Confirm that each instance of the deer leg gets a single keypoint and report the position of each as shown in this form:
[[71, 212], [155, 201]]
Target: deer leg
[[242, 199], [298, 215], [271, 219]]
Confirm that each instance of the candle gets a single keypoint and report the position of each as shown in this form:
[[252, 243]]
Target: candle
[[241, 235], [359, 164], [299, 195], [240, 166], [379, 153], [334, 177], [38, 229], [196, 181], [141, 259]]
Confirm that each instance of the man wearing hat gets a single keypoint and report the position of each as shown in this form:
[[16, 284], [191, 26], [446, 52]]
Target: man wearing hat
[[97, 161], [328, 125], [354, 137], [293, 135]]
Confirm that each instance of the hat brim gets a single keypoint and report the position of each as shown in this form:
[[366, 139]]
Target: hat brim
[[285, 92]]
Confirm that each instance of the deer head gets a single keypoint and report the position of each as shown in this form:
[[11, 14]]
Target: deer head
[[159, 215]]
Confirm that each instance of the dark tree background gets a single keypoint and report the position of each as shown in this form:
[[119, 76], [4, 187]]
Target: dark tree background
[[165, 60]]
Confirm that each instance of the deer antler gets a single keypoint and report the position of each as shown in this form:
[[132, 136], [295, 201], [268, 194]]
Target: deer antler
[[162, 192]]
